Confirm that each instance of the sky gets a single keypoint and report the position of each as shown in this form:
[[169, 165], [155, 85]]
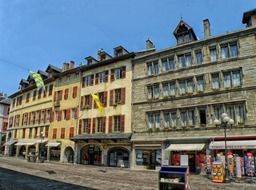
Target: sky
[[36, 33]]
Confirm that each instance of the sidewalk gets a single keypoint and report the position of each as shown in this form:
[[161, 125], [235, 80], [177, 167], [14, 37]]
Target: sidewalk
[[108, 178]]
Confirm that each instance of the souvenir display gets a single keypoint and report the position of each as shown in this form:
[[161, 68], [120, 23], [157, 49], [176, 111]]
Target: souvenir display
[[217, 172]]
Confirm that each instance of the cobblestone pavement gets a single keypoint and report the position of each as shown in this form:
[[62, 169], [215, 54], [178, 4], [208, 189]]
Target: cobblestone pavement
[[99, 177]]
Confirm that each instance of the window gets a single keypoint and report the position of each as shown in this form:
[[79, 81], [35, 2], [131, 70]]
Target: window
[[67, 78], [39, 93], [62, 134], [171, 64], [229, 50], [76, 75], [88, 80], [167, 119], [118, 73], [154, 120], [23, 133], [217, 109], [186, 86], [183, 118], [54, 133], [236, 78], [34, 95], [185, 60], [153, 68], [74, 95], [46, 132], [103, 99], [86, 126], [30, 133], [50, 89], [66, 94], [117, 123], [227, 79], [187, 118], [164, 65], [182, 63], [190, 86], [199, 57], [117, 95], [165, 89], [172, 89], [191, 118], [182, 87], [100, 125], [240, 113], [200, 83], [73, 113], [36, 131], [102, 77], [56, 115], [202, 114], [232, 79], [215, 81], [153, 91], [71, 132], [45, 91], [27, 97], [64, 114], [213, 54]]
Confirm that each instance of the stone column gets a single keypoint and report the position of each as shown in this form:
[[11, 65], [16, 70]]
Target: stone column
[[132, 158], [26, 154], [48, 153], [76, 153]]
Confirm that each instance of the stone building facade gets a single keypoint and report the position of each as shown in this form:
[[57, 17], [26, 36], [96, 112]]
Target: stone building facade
[[4, 114], [178, 92]]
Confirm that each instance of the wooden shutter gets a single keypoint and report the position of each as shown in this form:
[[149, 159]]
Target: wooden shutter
[[111, 96], [71, 132], [123, 72], [68, 114], [122, 122], [106, 76], [74, 91], [82, 103], [83, 82], [45, 112], [76, 113], [104, 125], [105, 98], [80, 127], [59, 115], [28, 120], [66, 94], [93, 125], [39, 116], [89, 125], [60, 98], [34, 118], [62, 133], [112, 76], [51, 115], [110, 124], [55, 96], [123, 95], [96, 78]]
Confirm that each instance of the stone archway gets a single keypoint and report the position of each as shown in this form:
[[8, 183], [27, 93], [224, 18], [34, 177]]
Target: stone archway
[[69, 154], [118, 157], [91, 154], [22, 151], [32, 149]]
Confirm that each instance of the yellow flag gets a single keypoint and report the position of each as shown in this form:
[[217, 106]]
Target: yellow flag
[[38, 80], [98, 103]]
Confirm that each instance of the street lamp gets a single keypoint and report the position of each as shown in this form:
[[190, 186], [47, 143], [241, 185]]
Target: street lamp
[[224, 122]]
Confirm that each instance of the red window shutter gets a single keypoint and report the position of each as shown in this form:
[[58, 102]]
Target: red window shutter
[[76, 113], [110, 124], [71, 132], [66, 94], [54, 135], [59, 115], [112, 76], [104, 125], [51, 115], [93, 125], [96, 78], [89, 125], [123, 95], [105, 98], [106, 76], [80, 127], [122, 123], [68, 114], [111, 98], [28, 120], [74, 91], [55, 96], [62, 135], [82, 103], [123, 72]]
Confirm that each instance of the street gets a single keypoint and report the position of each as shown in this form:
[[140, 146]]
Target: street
[[68, 176]]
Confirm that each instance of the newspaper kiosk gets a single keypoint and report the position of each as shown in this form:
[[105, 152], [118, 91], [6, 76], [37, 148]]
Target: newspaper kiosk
[[174, 177]]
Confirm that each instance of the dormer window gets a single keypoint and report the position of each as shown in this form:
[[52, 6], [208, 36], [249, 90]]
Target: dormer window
[[184, 33]]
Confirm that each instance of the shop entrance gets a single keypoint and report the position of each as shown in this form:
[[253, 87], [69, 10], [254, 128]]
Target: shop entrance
[[69, 154], [118, 157], [91, 154], [22, 152]]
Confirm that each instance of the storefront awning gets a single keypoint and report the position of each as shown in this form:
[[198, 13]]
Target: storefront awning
[[185, 147], [10, 142], [218, 145], [53, 144], [41, 140], [25, 143], [103, 136]]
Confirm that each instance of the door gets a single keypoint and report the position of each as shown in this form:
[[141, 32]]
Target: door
[[192, 162]]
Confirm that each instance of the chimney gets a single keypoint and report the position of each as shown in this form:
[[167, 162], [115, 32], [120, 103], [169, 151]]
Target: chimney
[[249, 18], [65, 66], [149, 44], [207, 29], [71, 65]]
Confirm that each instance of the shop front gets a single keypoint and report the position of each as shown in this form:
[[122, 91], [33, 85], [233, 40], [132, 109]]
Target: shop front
[[118, 157], [53, 151], [241, 156], [10, 148], [192, 155], [91, 155]]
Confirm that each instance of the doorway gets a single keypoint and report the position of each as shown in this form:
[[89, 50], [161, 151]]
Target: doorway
[[202, 114]]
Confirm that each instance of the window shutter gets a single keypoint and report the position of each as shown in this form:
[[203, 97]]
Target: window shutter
[[104, 125], [83, 82], [110, 124], [76, 113], [39, 117], [22, 121], [112, 76], [89, 125], [45, 111], [28, 122], [122, 123], [74, 91], [93, 125], [80, 127], [82, 103], [61, 95], [90, 101], [34, 118], [51, 115], [123, 72], [71, 132], [92, 80], [111, 97], [96, 78], [66, 94], [55, 96], [105, 98], [123, 95], [68, 114], [59, 115], [106, 76]]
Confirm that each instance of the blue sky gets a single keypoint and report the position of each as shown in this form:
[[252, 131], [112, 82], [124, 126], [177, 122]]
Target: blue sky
[[35, 33]]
